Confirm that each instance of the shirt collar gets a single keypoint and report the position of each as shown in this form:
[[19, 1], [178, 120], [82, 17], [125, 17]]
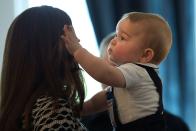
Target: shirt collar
[[150, 65]]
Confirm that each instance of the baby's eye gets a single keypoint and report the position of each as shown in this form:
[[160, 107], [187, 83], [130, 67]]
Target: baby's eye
[[121, 38]]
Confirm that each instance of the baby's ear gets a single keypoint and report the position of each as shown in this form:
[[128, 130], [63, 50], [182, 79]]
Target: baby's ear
[[147, 55]]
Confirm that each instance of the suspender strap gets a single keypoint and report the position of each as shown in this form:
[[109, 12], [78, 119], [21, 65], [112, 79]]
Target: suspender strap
[[115, 109], [157, 81], [155, 78]]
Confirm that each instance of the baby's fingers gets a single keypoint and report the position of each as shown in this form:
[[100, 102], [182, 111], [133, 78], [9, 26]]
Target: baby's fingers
[[69, 31]]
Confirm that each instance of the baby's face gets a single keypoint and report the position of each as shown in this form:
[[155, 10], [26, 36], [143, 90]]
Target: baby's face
[[128, 44]]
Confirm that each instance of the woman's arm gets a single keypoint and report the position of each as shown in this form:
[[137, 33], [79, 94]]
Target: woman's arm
[[97, 103]]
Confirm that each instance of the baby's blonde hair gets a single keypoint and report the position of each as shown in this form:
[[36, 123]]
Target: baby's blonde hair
[[158, 33]]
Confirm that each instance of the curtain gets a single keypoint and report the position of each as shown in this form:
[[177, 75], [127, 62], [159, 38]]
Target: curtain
[[178, 70]]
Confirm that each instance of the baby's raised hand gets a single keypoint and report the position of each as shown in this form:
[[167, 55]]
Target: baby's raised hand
[[70, 39]]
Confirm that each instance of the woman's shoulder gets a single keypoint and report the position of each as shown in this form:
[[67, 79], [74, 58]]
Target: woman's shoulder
[[54, 114], [50, 103]]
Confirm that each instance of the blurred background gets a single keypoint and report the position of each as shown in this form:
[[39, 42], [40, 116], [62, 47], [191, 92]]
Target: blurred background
[[94, 19]]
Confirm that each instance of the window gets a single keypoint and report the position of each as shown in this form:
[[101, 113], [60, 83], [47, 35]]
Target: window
[[78, 12]]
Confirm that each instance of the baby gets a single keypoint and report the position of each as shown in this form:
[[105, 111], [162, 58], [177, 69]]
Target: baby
[[134, 94]]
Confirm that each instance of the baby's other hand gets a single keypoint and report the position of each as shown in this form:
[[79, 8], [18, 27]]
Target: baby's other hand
[[70, 39]]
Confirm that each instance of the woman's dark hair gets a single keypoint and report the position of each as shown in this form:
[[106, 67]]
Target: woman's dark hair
[[36, 63]]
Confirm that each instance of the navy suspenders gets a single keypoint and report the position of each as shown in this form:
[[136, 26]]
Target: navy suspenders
[[157, 81], [158, 116]]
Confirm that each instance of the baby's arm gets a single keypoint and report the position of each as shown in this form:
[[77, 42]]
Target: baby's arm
[[97, 103], [98, 68]]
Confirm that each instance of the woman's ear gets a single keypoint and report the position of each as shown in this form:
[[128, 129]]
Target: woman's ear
[[147, 56]]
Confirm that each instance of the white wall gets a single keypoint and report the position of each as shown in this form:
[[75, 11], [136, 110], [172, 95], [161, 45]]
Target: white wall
[[8, 10], [6, 17]]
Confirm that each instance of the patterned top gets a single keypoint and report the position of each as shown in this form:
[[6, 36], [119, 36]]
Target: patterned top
[[47, 118]]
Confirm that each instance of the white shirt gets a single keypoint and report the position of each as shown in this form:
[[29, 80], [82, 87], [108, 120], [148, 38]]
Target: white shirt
[[139, 98]]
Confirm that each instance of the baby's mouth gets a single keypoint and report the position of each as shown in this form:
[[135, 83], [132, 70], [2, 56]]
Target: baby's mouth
[[109, 51]]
